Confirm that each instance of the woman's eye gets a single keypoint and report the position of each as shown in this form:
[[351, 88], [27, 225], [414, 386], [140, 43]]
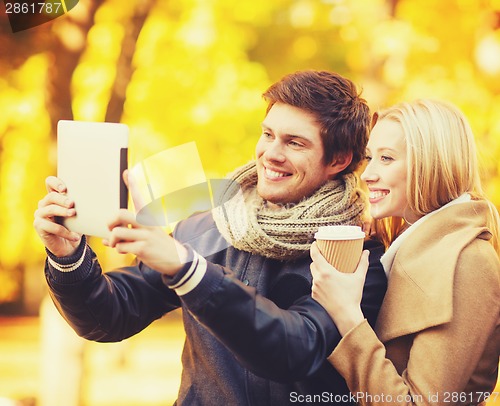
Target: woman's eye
[[368, 158], [385, 158]]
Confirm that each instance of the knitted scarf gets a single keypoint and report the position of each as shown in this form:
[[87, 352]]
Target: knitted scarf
[[284, 233]]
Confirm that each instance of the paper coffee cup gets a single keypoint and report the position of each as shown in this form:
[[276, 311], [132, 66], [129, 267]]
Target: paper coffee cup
[[341, 246]]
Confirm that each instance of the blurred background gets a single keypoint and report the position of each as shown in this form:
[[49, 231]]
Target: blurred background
[[194, 70]]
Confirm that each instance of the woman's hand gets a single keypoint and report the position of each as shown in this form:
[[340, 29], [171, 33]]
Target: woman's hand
[[339, 293], [151, 245], [56, 238]]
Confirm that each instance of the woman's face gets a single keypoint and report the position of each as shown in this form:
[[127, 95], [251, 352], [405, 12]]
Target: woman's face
[[386, 171]]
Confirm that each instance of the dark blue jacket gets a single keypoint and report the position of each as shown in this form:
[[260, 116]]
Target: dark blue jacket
[[254, 335]]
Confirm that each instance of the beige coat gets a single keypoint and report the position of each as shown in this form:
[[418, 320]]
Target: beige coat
[[438, 333]]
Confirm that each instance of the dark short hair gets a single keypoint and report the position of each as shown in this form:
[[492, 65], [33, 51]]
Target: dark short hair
[[343, 116]]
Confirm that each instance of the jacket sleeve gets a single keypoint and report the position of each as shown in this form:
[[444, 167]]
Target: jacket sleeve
[[283, 345], [375, 283], [442, 358], [108, 306]]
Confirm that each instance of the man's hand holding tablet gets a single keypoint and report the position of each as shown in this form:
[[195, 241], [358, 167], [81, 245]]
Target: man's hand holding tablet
[[89, 188], [87, 198], [57, 238], [91, 158]]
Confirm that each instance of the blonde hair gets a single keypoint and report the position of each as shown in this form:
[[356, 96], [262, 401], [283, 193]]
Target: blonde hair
[[442, 162]]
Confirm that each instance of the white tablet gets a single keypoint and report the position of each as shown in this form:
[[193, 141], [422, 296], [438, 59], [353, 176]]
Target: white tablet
[[91, 158]]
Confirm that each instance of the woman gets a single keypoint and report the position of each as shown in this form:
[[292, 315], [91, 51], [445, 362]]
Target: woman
[[437, 336]]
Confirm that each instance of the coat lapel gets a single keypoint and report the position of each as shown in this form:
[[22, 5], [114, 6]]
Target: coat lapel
[[420, 287]]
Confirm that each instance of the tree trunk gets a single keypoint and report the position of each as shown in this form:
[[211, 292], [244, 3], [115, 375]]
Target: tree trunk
[[65, 55], [393, 4], [125, 69]]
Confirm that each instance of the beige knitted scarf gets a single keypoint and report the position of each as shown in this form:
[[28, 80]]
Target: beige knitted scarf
[[286, 233]]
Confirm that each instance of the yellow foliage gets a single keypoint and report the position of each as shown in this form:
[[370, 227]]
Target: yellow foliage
[[200, 68]]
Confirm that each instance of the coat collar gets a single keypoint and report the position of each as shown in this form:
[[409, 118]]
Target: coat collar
[[388, 258], [420, 286]]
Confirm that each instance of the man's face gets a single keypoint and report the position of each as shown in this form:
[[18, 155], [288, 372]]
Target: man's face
[[290, 156]]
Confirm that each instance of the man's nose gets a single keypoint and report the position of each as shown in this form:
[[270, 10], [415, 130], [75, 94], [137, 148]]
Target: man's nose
[[275, 151]]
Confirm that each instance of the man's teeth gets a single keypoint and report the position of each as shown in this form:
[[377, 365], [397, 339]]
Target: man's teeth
[[376, 194], [273, 174]]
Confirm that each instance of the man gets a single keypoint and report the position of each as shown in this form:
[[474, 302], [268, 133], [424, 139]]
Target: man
[[240, 272]]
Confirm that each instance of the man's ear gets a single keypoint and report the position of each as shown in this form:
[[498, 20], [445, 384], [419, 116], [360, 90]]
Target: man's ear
[[338, 164]]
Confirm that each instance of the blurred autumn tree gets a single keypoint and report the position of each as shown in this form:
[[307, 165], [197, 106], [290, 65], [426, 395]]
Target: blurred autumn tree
[[194, 70]]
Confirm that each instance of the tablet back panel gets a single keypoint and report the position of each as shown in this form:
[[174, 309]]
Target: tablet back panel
[[91, 158]]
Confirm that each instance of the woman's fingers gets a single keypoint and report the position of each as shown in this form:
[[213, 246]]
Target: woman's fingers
[[317, 257], [363, 263]]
